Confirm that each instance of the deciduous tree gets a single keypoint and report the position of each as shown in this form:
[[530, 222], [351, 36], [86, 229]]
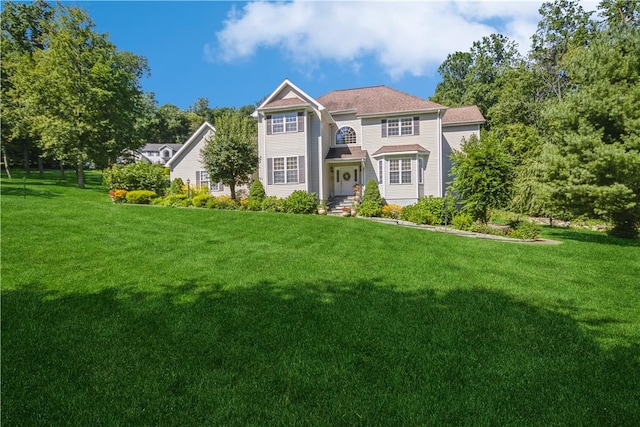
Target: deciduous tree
[[482, 172], [82, 95], [231, 155]]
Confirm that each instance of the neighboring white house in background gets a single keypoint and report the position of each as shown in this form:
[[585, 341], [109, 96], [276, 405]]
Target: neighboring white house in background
[[158, 153], [187, 165], [346, 137]]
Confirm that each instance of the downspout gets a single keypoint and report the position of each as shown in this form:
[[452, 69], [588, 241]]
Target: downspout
[[439, 155], [320, 160], [307, 132]]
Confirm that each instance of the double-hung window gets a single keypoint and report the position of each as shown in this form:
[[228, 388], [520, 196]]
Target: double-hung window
[[285, 170], [401, 126], [400, 171], [203, 179], [287, 122]]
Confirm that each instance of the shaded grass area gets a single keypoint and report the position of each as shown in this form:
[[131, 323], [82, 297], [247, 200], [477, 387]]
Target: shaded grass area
[[137, 315], [334, 353]]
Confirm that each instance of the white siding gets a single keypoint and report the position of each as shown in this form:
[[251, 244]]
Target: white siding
[[452, 137], [286, 144], [404, 193], [189, 162]]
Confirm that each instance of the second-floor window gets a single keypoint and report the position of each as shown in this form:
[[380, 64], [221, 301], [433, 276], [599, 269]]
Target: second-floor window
[[401, 126], [346, 135], [285, 122]]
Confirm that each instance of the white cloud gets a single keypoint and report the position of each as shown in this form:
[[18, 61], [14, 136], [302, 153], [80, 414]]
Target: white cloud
[[404, 37]]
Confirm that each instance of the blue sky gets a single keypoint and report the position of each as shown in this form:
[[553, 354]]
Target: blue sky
[[235, 53]]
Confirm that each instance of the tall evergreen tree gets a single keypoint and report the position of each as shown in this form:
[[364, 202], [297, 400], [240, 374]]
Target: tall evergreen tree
[[593, 158]]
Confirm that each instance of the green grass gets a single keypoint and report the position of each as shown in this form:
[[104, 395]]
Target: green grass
[[142, 315]]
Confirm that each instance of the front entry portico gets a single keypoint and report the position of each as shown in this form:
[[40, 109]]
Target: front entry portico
[[344, 178]]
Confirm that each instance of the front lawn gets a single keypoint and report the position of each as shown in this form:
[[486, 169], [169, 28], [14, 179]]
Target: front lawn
[[142, 315]]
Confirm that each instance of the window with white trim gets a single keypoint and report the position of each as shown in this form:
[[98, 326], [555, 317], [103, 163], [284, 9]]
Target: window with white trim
[[400, 171], [286, 122], [203, 179], [345, 135], [285, 170], [217, 187], [401, 126]]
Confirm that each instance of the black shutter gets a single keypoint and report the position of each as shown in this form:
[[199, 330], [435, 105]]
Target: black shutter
[[197, 179], [300, 121], [301, 170], [269, 129], [416, 125], [270, 171], [384, 128]]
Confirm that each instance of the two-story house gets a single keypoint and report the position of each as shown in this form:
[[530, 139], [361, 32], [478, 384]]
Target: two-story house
[[346, 137]]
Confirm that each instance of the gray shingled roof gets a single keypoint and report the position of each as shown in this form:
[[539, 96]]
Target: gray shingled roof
[[462, 115], [375, 100], [346, 153], [286, 102]]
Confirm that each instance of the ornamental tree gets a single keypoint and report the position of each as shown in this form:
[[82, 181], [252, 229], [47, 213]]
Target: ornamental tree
[[482, 172], [231, 155]]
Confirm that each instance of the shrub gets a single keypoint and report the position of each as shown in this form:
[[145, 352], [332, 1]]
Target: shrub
[[256, 191], [301, 202], [200, 200], [419, 214], [118, 196], [140, 197], [177, 186], [254, 205], [371, 200], [137, 176], [431, 210], [176, 200], [525, 230], [272, 204], [369, 208], [392, 211], [224, 202], [463, 221]]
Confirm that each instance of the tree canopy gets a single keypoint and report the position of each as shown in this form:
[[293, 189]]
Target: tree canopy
[[231, 155]]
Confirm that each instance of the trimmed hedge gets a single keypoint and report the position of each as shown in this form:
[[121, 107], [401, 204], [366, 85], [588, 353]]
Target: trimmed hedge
[[140, 197], [137, 176]]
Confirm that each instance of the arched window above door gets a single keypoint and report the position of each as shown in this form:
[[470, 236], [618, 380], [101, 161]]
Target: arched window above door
[[345, 135]]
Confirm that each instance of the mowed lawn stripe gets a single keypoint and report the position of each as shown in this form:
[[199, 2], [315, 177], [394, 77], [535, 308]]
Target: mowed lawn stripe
[[118, 314]]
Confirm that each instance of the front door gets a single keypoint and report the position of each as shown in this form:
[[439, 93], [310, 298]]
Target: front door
[[344, 180]]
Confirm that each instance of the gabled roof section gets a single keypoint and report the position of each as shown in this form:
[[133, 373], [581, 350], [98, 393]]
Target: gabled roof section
[[302, 99], [463, 115], [376, 100], [205, 127]]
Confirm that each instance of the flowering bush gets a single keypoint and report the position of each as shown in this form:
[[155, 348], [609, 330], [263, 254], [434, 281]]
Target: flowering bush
[[118, 196], [391, 211], [222, 202]]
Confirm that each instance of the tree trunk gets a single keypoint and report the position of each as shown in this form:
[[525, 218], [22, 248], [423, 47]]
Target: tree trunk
[[25, 158], [62, 175], [40, 167], [6, 163], [232, 188], [80, 174]]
